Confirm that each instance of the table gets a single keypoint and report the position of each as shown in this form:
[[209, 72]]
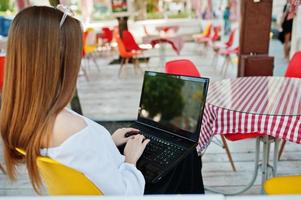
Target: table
[[167, 28], [267, 105], [176, 42]]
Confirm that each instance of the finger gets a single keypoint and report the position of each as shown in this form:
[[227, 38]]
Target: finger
[[133, 129], [141, 138], [136, 137], [145, 142], [143, 145]]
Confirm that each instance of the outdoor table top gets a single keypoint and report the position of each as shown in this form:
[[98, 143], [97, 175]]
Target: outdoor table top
[[267, 105], [166, 28], [176, 42], [258, 95]]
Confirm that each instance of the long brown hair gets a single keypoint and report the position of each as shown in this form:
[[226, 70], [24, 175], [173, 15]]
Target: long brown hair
[[41, 69]]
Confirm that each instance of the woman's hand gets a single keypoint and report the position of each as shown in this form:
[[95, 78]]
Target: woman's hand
[[119, 135], [134, 148]]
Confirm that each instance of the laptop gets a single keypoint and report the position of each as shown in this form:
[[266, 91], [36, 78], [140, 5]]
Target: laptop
[[170, 115]]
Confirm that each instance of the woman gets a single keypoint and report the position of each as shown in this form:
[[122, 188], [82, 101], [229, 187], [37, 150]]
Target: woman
[[286, 30], [227, 23], [43, 60]]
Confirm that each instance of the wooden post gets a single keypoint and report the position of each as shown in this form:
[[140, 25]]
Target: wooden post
[[256, 17]]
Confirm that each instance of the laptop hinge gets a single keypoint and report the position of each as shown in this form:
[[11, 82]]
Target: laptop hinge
[[168, 132]]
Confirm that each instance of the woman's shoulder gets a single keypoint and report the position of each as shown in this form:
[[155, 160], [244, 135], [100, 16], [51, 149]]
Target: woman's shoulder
[[66, 125]]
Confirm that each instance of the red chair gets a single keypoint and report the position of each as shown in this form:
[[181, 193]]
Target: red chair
[[227, 44], [221, 46], [227, 54], [129, 42], [2, 60], [126, 55], [183, 67], [186, 67], [294, 71], [107, 34], [294, 66]]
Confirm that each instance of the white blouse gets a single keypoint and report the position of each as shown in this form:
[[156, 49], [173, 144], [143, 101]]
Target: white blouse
[[93, 152]]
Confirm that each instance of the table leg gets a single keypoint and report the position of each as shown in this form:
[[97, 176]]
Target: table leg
[[162, 54], [275, 159], [254, 176], [265, 161]]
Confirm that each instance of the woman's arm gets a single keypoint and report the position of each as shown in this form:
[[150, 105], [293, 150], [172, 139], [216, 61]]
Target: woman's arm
[[94, 153]]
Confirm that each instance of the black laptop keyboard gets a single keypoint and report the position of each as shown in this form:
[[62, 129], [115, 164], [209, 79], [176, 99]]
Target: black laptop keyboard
[[158, 154], [161, 151]]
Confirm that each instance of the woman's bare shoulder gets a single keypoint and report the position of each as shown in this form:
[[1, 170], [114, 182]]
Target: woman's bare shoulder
[[66, 125]]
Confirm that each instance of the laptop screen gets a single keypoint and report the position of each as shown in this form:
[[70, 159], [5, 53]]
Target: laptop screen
[[173, 102]]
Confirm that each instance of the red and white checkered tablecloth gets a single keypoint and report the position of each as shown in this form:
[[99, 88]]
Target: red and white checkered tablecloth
[[267, 105]]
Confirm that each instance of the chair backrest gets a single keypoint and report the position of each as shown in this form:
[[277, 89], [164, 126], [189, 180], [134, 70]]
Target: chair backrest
[[89, 41], [216, 33], [122, 50], [283, 185], [231, 38], [91, 37], [2, 60], [182, 67], [207, 30], [107, 34], [62, 180], [129, 41], [85, 35], [294, 66]]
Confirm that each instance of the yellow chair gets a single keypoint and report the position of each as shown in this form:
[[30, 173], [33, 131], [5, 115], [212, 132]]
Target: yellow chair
[[283, 185], [205, 34], [90, 43], [90, 50], [62, 180]]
